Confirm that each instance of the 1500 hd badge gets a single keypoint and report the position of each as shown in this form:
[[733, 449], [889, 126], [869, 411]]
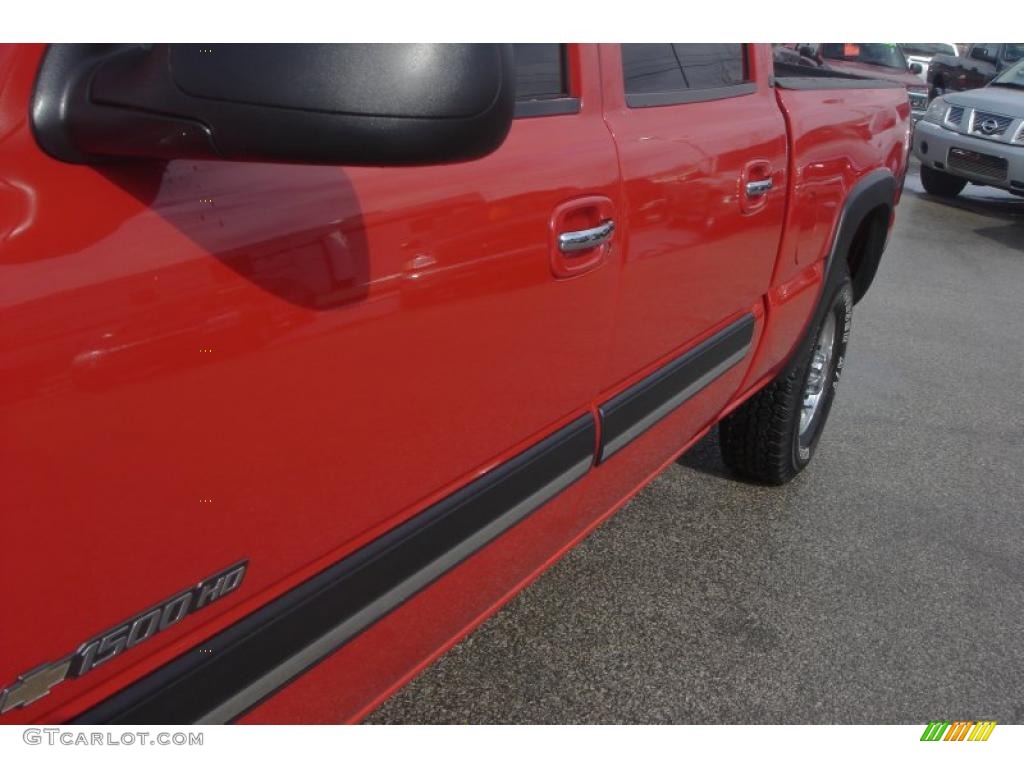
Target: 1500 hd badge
[[36, 683]]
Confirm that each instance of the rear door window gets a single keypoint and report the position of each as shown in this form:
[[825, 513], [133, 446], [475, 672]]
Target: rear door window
[[656, 74]]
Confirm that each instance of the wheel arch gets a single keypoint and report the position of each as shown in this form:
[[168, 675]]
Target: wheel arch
[[863, 230]]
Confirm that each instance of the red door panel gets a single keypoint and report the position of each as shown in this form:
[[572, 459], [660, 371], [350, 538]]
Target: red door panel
[[204, 361], [700, 251], [700, 248]]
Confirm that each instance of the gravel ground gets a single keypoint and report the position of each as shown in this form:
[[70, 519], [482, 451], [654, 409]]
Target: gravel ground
[[883, 585]]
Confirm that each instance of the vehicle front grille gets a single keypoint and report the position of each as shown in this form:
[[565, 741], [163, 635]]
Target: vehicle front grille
[[977, 163], [918, 100], [988, 124], [955, 115]]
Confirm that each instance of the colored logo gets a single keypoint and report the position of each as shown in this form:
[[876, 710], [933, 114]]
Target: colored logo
[[958, 730]]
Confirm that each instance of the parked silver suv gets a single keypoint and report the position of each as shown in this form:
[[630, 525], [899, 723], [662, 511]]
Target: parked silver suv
[[974, 136]]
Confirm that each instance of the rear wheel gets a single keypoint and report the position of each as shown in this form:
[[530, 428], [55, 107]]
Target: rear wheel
[[941, 184], [772, 437]]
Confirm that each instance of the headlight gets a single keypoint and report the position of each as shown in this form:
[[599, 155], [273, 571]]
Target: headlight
[[936, 111]]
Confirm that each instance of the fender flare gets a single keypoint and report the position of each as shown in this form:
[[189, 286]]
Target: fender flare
[[875, 190]]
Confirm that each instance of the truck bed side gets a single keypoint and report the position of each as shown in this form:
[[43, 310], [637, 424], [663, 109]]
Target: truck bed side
[[848, 143]]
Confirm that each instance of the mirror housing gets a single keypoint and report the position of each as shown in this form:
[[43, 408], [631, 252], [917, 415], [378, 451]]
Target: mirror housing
[[983, 54], [351, 104], [915, 67]]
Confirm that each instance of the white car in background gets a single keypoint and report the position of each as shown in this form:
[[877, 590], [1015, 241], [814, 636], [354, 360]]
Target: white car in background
[[921, 54]]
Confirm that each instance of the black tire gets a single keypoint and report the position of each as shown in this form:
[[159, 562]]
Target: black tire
[[761, 440], [941, 184]]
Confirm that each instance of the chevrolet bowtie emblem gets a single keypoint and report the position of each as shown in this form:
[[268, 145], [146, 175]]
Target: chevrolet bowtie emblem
[[36, 683], [32, 686]]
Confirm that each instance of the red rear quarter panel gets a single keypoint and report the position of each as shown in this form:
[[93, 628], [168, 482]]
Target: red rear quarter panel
[[836, 138]]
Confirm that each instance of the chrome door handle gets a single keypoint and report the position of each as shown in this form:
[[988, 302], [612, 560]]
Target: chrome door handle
[[758, 188], [585, 239]]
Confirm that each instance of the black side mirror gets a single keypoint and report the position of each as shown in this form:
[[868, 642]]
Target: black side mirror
[[807, 52], [360, 104], [916, 67], [983, 54]]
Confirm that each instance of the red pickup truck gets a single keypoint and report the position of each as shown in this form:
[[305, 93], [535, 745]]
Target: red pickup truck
[[312, 356]]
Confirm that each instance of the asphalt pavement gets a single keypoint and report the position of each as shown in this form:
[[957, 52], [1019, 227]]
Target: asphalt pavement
[[884, 585]]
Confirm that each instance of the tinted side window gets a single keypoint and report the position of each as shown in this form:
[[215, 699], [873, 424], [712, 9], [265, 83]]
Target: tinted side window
[[666, 67], [540, 71], [984, 51], [1013, 52]]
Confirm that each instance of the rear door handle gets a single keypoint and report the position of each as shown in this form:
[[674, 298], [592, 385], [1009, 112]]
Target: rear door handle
[[756, 181], [585, 239], [759, 187]]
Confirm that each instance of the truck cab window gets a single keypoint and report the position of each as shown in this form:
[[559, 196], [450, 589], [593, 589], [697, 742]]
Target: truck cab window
[[540, 71], [668, 73], [542, 80]]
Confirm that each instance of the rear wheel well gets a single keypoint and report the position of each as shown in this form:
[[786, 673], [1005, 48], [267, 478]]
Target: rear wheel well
[[866, 249]]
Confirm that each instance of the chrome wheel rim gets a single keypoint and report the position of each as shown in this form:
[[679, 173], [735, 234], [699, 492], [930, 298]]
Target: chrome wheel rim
[[817, 374]]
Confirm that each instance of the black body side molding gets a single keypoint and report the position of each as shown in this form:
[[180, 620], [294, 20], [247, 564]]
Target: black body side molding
[[631, 413], [252, 659]]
